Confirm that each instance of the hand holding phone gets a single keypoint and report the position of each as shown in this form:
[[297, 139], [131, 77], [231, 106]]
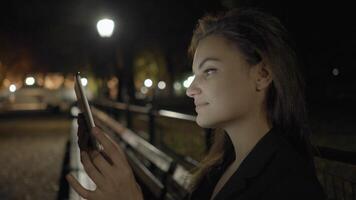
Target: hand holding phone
[[86, 140]]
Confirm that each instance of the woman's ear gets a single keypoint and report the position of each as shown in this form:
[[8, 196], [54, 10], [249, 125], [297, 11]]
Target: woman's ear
[[263, 76]]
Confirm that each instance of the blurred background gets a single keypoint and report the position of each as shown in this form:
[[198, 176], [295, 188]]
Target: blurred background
[[135, 52]]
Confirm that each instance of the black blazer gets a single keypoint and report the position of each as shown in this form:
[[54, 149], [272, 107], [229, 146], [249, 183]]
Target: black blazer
[[272, 170]]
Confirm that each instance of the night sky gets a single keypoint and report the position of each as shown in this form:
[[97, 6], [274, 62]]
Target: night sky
[[59, 35], [64, 33]]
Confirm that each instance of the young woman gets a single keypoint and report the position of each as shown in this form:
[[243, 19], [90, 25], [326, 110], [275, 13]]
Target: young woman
[[247, 85]]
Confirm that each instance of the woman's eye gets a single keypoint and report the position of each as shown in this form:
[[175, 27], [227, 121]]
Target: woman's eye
[[209, 71]]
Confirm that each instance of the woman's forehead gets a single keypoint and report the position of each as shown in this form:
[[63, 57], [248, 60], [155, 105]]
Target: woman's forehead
[[217, 48]]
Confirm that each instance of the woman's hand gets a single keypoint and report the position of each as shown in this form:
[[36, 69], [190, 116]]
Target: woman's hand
[[113, 181]]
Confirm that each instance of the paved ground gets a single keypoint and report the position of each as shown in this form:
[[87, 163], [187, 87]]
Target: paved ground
[[31, 156]]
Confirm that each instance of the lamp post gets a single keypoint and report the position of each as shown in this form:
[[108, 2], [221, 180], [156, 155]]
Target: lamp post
[[105, 28], [104, 55]]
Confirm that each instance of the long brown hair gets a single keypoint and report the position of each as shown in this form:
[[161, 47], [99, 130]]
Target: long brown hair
[[261, 37]]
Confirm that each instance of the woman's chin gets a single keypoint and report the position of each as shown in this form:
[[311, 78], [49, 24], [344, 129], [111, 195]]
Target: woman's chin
[[205, 123]]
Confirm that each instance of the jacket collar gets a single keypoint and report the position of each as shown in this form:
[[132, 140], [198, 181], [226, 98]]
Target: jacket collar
[[252, 165]]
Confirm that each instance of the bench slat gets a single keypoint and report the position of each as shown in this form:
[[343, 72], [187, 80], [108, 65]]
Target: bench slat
[[150, 181]]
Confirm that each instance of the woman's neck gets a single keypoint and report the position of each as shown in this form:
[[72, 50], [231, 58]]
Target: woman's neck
[[245, 134], [244, 137]]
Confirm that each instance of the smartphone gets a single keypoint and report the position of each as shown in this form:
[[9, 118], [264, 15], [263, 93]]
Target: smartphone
[[89, 142]]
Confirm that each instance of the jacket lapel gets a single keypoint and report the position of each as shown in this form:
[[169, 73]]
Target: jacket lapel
[[252, 165]]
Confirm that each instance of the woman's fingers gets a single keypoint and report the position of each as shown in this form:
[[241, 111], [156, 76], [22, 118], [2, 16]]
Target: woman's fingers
[[110, 148], [101, 163], [91, 170], [77, 186]]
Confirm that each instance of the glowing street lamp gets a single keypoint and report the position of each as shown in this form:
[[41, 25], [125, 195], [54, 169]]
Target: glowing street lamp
[[189, 81], [148, 83], [105, 27], [84, 81], [12, 88], [30, 81], [161, 85], [336, 72]]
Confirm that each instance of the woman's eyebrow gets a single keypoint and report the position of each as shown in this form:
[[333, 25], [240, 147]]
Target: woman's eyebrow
[[206, 60]]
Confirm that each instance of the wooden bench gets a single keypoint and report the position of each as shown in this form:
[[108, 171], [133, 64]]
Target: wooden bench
[[157, 173]]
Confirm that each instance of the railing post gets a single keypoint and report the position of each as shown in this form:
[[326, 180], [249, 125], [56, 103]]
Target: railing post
[[151, 124], [128, 116]]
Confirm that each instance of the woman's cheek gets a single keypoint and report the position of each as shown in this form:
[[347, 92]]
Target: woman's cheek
[[235, 101]]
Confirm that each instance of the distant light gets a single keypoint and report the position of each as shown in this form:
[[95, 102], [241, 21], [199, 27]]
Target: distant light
[[189, 81], [12, 88], [186, 84], [30, 80], [177, 86], [335, 72], [105, 27], [144, 90], [148, 83], [161, 85], [84, 81]]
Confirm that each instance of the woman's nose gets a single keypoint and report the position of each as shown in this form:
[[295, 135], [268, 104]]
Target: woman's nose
[[192, 90]]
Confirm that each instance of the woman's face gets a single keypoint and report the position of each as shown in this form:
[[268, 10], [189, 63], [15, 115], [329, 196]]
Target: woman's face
[[223, 89]]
